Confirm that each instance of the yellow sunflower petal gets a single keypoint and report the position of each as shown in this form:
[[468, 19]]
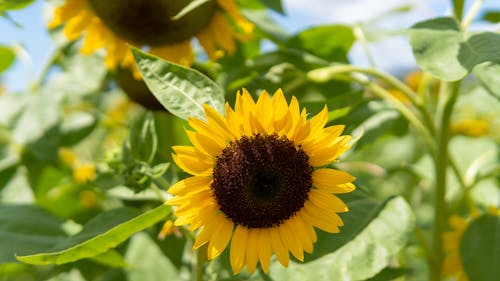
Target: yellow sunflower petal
[[191, 165], [189, 184], [332, 180], [95, 38], [180, 53], [77, 24], [63, 13], [203, 128], [278, 246], [207, 232], [238, 248], [264, 249], [252, 254], [220, 238], [205, 144], [290, 240]]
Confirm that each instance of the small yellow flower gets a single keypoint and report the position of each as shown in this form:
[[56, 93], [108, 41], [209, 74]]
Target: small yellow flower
[[259, 180], [88, 199], [471, 127], [160, 25], [84, 173], [67, 156]]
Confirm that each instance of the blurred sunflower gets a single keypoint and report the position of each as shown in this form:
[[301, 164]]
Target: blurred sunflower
[[259, 181], [165, 27], [452, 265]]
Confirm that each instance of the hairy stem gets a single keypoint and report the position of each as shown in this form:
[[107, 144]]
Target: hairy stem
[[448, 99]]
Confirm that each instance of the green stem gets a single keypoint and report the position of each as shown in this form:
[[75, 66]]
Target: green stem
[[458, 8], [200, 263], [326, 73], [448, 98]]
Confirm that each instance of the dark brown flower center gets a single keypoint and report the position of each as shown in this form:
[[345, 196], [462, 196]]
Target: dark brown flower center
[[153, 22], [262, 180]]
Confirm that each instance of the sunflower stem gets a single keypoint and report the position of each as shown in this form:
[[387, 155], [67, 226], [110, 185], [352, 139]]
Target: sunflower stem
[[200, 263], [448, 98]]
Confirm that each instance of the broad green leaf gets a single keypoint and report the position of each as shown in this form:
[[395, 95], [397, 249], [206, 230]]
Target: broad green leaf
[[99, 235], [436, 44], [156, 267], [441, 49], [27, 229], [358, 252], [329, 42], [480, 249], [182, 91], [7, 57], [487, 74], [6, 5]]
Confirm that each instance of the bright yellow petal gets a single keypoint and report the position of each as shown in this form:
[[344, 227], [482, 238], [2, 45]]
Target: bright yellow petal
[[333, 181], [63, 13], [205, 144], [77, 24], [252, 249], [208, 131], [302, 233], [238, 248], [220, 238], [264, 249], [96, 37], [327, 201], [278, 246], [208, 231], [326, 221], [290, 241], [192, 165], [180, 53], [189, 184]]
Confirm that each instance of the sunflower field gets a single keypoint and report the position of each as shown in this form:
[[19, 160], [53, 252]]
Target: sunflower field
[[209, 140]]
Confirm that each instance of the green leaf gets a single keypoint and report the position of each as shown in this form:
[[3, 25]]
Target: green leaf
[[27, 229], [7, 57], [182, 91], [111, 258], [274, 5], [491, 16], [267, 25], [480, 249], [155, 267], [360, 250], [99, 235], [330, 42], [6, 5], [75, 127], [441, 49], [388, 273], [487, 74]]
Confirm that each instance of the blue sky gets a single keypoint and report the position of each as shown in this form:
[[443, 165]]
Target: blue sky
[[37, 44]]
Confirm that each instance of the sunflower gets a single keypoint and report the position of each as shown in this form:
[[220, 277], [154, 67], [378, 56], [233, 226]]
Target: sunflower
[[259, 182], [165, 27], [452, 265]]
